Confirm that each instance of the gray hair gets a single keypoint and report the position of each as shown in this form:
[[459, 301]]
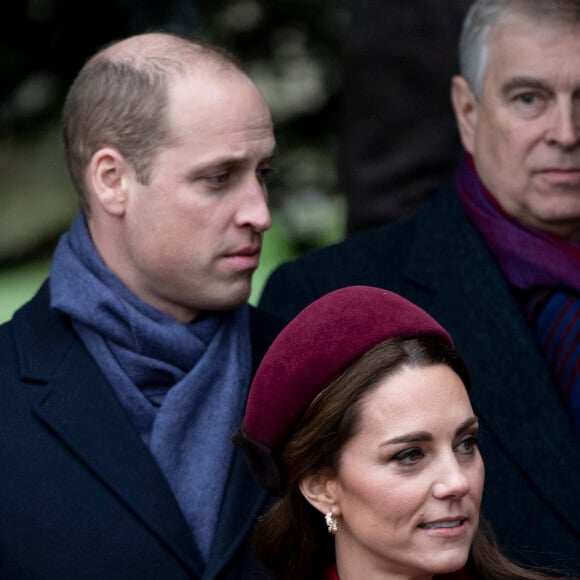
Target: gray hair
[[485, 15]]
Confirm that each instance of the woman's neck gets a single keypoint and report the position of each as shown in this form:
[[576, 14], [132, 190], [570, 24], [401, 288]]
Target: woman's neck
[[351, 566]]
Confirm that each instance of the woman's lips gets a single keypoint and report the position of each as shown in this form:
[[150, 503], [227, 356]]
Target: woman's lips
[[447, 528]]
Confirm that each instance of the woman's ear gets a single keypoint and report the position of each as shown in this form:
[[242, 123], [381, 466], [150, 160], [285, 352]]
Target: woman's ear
[[465, 106], [108, 176], [320, 491]]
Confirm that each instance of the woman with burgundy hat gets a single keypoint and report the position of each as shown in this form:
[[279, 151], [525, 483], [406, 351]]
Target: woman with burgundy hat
[[359, 420]]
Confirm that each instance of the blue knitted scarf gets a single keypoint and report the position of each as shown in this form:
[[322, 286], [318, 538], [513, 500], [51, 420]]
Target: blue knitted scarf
[[183, 385]]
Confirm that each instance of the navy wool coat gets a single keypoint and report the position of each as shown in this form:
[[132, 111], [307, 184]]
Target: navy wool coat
[[81, 497]]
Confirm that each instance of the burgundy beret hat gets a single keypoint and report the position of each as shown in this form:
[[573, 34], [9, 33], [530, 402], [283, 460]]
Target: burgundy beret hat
[[319, 343]]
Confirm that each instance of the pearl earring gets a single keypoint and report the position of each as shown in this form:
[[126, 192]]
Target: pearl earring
[[331, 522]]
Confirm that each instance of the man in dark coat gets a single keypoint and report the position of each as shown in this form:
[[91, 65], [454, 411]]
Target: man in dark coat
[[497, 261], [123, 379]]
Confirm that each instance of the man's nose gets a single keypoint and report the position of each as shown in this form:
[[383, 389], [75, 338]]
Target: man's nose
[[564, 129], [253, 210]]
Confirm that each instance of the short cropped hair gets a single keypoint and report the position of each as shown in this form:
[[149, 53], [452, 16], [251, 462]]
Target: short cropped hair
[[485, 15], [120, 100]]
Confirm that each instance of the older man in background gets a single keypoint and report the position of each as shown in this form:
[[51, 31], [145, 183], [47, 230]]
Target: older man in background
[[497, 261]]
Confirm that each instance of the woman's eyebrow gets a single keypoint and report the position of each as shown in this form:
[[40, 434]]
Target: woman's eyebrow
[[421, 436]]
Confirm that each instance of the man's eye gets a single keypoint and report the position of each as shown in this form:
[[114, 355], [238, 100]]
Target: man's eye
[[264, 173], [218, 179], [527, 98], [529, 104]]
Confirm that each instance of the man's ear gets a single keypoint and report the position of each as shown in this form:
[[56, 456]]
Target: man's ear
[[320, 491], [465, 106], [108, 175]]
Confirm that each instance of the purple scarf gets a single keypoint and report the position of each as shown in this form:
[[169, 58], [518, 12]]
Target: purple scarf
[[530, 258], [545, 269]]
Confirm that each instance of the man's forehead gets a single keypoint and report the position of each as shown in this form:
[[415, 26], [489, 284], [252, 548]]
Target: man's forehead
[[215, 111], [531, 51], [532, 28]]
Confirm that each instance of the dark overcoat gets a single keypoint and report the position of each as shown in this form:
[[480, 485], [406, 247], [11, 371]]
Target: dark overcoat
[[532, 453], [81, 497]]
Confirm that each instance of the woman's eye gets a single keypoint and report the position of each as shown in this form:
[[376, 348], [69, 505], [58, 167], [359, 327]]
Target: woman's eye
[[409, 456], [468, 445]]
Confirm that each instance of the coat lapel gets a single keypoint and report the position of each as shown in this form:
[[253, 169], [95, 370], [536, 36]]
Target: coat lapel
[[243, 501], [243, 498], [531, 429], [77, 404]]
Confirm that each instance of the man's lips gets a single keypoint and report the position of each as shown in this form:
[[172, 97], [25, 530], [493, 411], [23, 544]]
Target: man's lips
[[253, 250], [246, 258], [559, 174], [559, 170]]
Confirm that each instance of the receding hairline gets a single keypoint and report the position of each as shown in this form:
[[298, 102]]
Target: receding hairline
[[499, 14], [172, 52], [518, 15], [537, 16], [133, 121]]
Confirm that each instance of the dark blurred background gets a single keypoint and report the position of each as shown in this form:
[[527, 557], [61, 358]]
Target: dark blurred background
[[292, 50]]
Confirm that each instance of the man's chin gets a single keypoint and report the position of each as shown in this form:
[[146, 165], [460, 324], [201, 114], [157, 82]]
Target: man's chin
[[229, 299]]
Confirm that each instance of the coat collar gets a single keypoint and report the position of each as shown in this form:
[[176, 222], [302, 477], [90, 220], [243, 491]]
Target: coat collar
[[535, 426], [75, 401]]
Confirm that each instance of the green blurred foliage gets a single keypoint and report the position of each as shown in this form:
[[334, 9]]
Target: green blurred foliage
[[18, 285]]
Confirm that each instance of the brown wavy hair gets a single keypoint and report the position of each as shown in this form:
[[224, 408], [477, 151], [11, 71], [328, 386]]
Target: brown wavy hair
[[291, 538]]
